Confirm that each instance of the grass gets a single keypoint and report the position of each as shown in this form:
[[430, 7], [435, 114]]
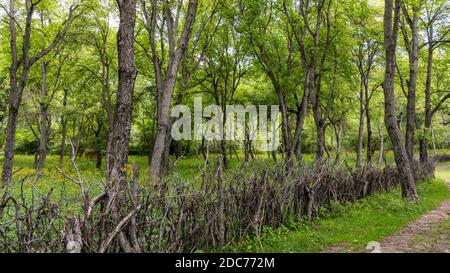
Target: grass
[[349, 227], [443, 170], [184, 170]]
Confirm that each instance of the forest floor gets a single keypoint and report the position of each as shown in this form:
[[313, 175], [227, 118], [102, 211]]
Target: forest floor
[[430, 233]]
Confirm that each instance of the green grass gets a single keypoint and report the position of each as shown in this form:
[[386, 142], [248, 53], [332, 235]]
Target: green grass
[[443, 170], [349, 227]]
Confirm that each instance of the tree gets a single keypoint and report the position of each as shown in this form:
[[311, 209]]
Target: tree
[[166, 66], [366, 33], [435, 14], [412, 47], [391, 26], [225, 66], [20, 69], [272, 45], [119, 138], [100, 63], [307, 31]]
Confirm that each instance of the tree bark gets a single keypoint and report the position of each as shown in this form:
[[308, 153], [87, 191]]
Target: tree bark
[[370, 149], [78, 128], [45, 122], [361, 128], [98, 152], [117, 155], [428, 118], [338, 133], [381, 156], [63, 128], [315, 87], [413, 52], [391, 25], [433, 42], [365, 57]]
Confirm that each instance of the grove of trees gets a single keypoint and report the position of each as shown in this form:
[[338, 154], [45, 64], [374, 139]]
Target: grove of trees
[[88, 94], [350, 77]]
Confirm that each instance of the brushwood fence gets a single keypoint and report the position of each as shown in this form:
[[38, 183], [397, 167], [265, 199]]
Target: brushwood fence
[[221, 208]]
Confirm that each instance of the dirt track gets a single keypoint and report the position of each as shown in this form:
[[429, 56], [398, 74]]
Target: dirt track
[[430, 233]]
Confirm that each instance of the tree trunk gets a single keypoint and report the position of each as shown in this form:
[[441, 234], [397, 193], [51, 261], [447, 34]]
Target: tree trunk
[[285, 130], [413, 66], [119, 137], [98, 154], [15, 98], [302, 111], [433, 141], [13, 106], [428, 116], [80, 121], [158, 162], [45, 123], [318, 120], [359, 150], [223, 147], [9, 144], [338, 133], [320, 149], [381, 156], [63, 129], [117, 155], [391, 26], [370, 149], [166, 83]]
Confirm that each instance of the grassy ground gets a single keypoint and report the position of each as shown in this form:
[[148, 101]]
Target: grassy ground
[[183, 170], [443, 170], [350, 227]]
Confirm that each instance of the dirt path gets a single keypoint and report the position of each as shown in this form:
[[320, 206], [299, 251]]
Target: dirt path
[[430, 233]]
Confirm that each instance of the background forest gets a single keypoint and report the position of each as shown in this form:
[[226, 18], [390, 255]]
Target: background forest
[[87, 88]]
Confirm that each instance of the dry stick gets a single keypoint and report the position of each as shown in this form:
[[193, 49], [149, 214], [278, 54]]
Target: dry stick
[[72, 159], [92, 205], [204, 169], [221, 205], [161, 226], [74, 241], [257, 221], [118, 229], [134, 199], [87, 205], [79, 182], [115, 211]]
